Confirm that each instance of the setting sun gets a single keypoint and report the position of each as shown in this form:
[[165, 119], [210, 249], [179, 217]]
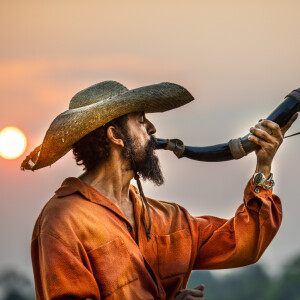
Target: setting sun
[[12, 142]]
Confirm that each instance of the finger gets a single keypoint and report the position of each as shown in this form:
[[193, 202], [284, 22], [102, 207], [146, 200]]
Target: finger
[[197, 293], [285, 128], [260, 126], [266, 146], [275, 128], [194, 293], [201, 287], [262, 134]]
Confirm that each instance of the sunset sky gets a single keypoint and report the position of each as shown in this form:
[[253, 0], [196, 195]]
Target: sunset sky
[[238, 59]]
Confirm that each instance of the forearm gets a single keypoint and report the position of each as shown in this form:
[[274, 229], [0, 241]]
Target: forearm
[[242, 239], [263, 168]]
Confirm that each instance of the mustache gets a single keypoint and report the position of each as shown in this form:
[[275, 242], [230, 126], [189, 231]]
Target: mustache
[[152, 143]]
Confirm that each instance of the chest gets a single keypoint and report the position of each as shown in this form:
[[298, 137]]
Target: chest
[[128, 211], [119, 264]]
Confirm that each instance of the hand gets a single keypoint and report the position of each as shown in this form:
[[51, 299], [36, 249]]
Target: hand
[[269, 137], [196, 293]]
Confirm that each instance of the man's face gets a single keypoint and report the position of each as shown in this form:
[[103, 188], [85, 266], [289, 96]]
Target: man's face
[[139, 147]]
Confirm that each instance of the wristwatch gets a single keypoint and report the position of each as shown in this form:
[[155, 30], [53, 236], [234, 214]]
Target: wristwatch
[[259, 179]]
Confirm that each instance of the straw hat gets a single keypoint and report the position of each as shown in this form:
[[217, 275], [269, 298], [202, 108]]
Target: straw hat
[[94, 107]]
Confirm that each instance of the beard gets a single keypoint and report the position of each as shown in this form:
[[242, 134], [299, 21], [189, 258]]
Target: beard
[[143, 160]]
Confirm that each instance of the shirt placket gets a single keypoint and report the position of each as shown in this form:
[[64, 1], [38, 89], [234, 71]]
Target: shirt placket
[[141, 234], [137, 205]]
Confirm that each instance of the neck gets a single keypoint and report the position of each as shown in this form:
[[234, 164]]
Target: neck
[[111, 178]]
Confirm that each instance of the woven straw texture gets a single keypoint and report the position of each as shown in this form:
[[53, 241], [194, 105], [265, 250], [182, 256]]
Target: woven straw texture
[[96, 106]]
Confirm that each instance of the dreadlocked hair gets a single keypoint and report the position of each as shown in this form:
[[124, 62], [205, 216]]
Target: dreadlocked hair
[[94, 148]]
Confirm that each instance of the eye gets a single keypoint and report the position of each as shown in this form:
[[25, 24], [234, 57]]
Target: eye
[[142, 119]]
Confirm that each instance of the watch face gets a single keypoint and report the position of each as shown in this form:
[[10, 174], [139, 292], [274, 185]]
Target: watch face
[[258, 178]]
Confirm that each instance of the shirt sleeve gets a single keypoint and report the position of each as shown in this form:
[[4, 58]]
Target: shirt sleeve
[[59, 272], [242, 239]]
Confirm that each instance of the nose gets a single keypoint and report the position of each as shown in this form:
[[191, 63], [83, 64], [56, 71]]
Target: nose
[[150, 128]]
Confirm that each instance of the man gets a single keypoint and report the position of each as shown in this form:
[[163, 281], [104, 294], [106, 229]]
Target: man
[[100, 238]]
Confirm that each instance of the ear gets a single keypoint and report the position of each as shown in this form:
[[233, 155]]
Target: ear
[[111, 134]]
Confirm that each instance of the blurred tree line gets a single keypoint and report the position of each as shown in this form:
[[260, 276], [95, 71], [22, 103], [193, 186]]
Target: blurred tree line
[[247, 283], [250, 283], [15, 286]]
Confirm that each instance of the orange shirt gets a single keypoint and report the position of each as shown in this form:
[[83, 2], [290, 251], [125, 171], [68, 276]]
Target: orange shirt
[[84, 248]]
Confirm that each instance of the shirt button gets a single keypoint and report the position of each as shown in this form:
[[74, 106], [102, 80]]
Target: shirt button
[[256, 190], [129, 228]]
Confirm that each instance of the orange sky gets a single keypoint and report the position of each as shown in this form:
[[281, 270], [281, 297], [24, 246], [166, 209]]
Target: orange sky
[[238, 58]]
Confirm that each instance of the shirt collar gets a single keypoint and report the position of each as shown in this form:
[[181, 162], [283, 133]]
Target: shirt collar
[[73, 185]]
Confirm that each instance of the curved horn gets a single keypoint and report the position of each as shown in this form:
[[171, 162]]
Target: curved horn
[[235, 148]]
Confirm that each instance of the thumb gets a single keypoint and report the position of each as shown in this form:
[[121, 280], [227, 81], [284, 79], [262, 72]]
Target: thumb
[[201, 287]]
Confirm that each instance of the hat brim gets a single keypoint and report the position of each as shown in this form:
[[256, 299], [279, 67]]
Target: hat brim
[[73, 124]]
